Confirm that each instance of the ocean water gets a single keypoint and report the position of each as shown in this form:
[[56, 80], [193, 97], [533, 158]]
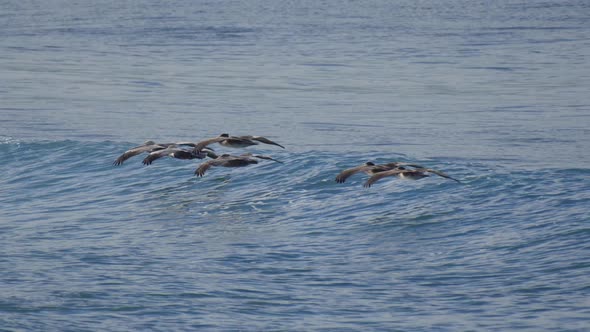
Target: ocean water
[[492, 93]]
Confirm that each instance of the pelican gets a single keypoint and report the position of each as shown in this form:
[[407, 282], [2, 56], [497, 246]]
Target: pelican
[[409, 174], [175, 152], [149, 147], [370, 169], [226, 160], [235, 141]]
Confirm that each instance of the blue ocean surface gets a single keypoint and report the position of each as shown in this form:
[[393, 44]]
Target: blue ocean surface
[[494, 94]]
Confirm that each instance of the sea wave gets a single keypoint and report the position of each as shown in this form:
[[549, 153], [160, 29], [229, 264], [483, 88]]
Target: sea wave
[[266, 235]]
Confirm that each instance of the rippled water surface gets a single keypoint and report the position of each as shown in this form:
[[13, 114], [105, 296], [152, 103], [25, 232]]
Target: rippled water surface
[[494, 94]]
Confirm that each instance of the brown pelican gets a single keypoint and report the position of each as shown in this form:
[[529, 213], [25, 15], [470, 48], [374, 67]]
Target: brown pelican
[[175, 152], [235, 141], [226, 160], [371, 169], [148, 146], [410, 174]]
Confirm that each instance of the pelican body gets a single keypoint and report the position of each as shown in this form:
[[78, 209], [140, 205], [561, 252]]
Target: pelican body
[[227, 160], [235, 141], [370, 168]]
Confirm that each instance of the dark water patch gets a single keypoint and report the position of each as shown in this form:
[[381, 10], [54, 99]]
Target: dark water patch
[[311, 64], [505, 69], [435, 62], [336, 125], [147, 83], [534, 28]]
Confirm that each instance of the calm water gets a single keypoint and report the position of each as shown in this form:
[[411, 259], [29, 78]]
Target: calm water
[[495, 94]]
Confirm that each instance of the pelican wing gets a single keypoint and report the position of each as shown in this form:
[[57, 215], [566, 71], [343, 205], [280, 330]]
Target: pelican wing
[[200, 171], [158, 154], [219, 161], [260, 157], [203, 144], [345, 174], [241, 141], [381, 175], [267, 158], [135, 151], [262, 140], [439, 173]]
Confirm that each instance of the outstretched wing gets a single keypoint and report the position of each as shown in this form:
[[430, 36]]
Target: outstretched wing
[[262, 140], [260, 157], [439, 173], [267, 158], [345, 174], [241, 141], [200, 171], [203, 144], [381, 175], [135, 151], [157, 155]]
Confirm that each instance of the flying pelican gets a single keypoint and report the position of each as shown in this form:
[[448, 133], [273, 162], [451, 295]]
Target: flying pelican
[[410, 174], [370, 169], [235, 141], [226, 160], [149, 146], [175, 152]]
